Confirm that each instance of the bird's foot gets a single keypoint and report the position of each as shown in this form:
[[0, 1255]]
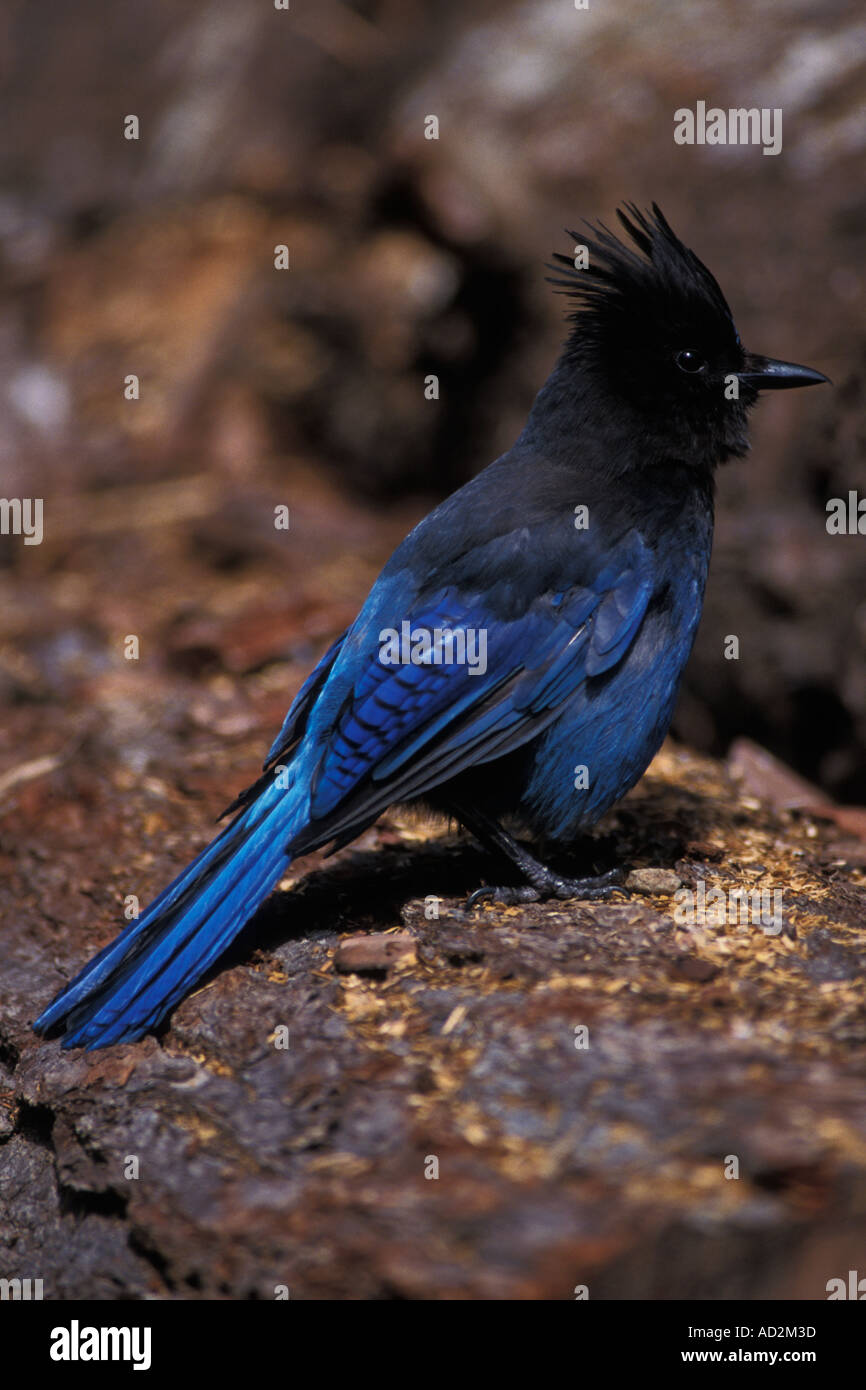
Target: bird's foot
[[547, 884]]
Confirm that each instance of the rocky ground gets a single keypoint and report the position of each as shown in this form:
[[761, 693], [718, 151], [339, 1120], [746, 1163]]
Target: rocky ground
[[383, 1094], [414, 1041]]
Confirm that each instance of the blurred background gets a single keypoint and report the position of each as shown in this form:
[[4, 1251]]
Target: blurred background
[[408, 257]]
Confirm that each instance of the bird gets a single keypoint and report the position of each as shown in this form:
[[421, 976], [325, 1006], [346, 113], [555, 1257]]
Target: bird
[[549, 607]]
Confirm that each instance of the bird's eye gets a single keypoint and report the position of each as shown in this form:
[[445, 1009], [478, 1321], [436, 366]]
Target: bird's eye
[[690, 361]]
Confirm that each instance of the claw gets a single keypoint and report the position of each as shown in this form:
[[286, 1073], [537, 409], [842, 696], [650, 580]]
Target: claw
[[479, 896], [508, 897], [560, 889]]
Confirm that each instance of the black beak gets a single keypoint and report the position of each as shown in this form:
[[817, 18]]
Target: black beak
[[767, 374]]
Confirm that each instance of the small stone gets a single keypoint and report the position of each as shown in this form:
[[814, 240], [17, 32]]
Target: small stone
[[653, 881], [378, 951], [695, 969], [705, 849]]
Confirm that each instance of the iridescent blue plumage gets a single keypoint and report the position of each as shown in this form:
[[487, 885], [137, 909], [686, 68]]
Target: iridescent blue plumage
[[576, 563]]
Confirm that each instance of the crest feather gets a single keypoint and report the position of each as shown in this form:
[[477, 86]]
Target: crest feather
[[661, 274]]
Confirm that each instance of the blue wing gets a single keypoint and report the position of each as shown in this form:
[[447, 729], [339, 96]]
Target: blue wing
[[403, 728], [295, 721]]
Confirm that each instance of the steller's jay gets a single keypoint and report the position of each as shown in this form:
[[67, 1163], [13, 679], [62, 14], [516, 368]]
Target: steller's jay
[[519, 656]]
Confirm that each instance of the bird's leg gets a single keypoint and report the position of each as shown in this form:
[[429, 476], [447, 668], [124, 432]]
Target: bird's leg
[[542, 882]]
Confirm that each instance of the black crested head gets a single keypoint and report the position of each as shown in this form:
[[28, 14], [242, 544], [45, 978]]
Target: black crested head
[[654, 333], [666, 281]]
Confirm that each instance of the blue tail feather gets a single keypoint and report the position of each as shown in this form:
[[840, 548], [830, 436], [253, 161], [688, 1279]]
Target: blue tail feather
[[137, 978]]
